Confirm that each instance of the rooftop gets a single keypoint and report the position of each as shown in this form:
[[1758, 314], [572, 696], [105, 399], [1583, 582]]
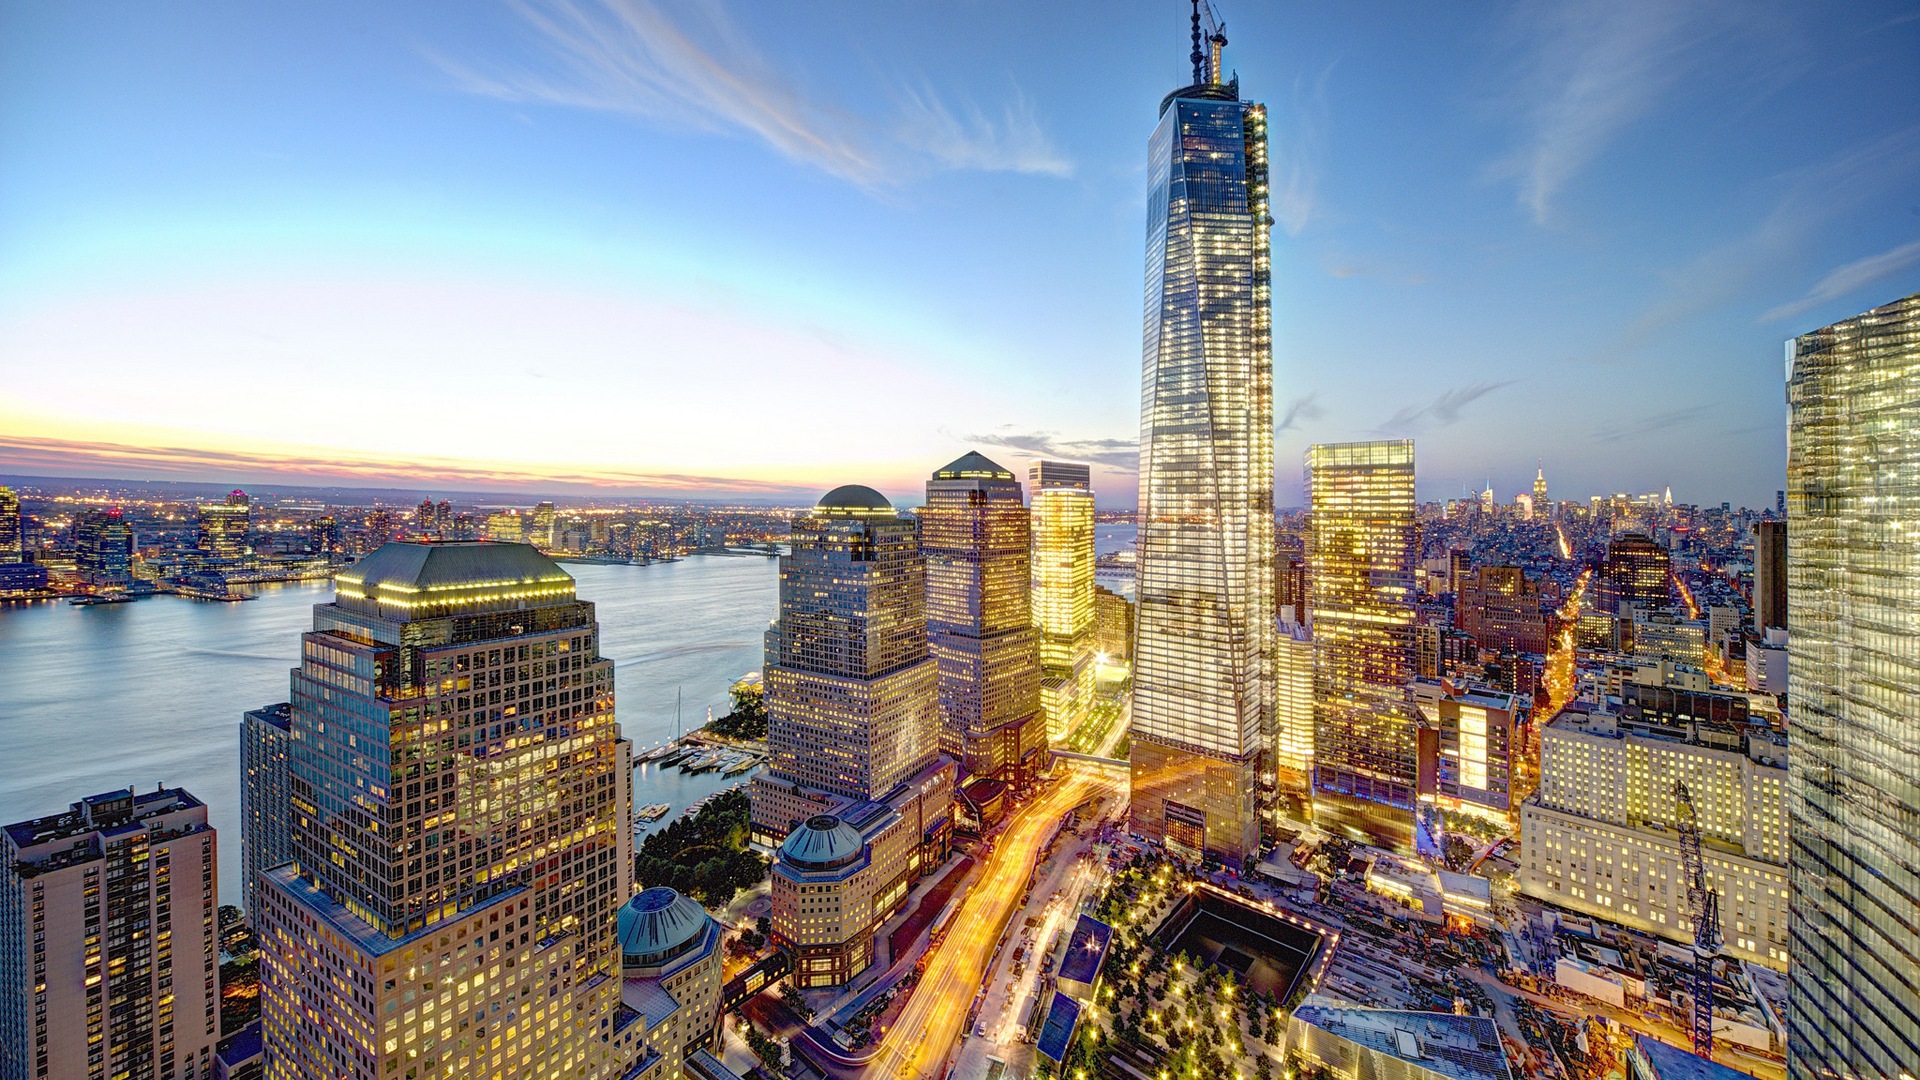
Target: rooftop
[[657, 924], [444, 577], [109, 812], [1673, 1063], [973, 465], [854, 499], [1086, 950], [1462, 1047], [822, 842]]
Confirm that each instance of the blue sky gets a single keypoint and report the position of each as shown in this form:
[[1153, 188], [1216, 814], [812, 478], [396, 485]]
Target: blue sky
[[691, 249]]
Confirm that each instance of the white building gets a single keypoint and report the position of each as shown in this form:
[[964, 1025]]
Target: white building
[[1597, 837], [1767, 663]]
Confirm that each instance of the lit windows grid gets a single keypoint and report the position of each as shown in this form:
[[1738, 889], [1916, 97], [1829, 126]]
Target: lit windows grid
[[1360, 558], [1853, 572]]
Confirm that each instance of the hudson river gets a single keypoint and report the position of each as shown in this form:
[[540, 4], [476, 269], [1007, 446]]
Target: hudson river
[[151, 692], [96, 698]]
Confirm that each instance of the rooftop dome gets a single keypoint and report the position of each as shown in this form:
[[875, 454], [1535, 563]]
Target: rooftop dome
[[658, 925], [822, 842], [854, 499]]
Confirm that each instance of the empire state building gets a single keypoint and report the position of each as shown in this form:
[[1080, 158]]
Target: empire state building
[[1203, 650]]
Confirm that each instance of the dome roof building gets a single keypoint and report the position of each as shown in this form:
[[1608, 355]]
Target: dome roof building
[[822, 842], [854, 499], [658, 925]]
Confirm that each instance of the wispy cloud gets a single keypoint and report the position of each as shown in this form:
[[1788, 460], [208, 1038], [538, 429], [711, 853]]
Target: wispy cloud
[[971, 139], [1121, 454], [1845, 279], [1305, 407], [632, 57], [1441, 411], [77, 457], [1650, 425], [1813, 196], [1595, 67]]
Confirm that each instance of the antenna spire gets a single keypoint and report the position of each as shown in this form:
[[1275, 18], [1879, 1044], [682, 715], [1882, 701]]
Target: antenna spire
[[1199, 58]]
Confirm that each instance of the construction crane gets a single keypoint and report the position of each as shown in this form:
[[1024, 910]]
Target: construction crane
[[1703, 907], [1206, 64]]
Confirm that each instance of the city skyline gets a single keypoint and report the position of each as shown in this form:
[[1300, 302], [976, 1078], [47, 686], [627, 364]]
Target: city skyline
[[320, 226]]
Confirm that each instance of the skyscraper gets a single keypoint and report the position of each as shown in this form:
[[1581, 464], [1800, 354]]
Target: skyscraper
[[1360, 560], [1203, 664], [1062, 524], [266, 835], [856, 795], [1853, 494], [109, 955], [103, 549], [1636, 571], [974, 535], [1540, 503], [459, 829], [1293, 710], [1769, 575], [224, 526], [10, 535]]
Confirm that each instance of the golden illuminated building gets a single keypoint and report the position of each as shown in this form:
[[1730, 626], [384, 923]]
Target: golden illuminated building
[[1360, 561], [1204, 637], [1063, 612], [853, 723], [460, 828], [1293, 709], [974, 537], [1853, 598]]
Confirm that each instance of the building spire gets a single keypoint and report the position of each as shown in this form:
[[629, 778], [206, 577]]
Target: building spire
[[1199, 58]]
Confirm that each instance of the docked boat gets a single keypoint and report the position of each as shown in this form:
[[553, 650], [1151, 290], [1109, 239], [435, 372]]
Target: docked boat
[[706, 762], [679, 754], [651, 813], [659, 752], [740, 766]]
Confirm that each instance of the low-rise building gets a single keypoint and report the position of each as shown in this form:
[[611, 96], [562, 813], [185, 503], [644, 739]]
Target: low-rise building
[[670, 961], [1362, 1044], [846, 868], [1598, 837], [1767, 663]]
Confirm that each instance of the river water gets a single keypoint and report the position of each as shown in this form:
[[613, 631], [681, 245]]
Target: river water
[[151, 692]]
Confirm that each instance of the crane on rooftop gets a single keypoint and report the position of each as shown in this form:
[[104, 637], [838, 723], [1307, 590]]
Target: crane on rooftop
[[1703, 908], [1206, 63]]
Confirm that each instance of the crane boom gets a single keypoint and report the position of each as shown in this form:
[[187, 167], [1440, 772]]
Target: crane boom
[[1703, 908]]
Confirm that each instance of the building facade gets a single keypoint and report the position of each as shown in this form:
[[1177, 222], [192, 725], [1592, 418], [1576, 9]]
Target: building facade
[[853, 731], [109, 949], [670, 984], [461, 834], [12, 546], [1466, 744], [1292, 739], [1853, 497], [1361, 553], [1203, 676], [103, 549], [1597, 836], [224, 527], [1636, 571], [1500, 609], [1062, 577], [1769, 575], [975, 538], [266, 794]]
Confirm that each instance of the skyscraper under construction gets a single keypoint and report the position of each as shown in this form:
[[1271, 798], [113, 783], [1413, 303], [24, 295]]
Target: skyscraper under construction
[[1202, 666]]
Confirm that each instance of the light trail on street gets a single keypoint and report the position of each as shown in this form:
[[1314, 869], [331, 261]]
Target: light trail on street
[[926, 1031]]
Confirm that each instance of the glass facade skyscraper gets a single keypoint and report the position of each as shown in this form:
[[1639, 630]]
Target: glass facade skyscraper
[[974, 535], [1202, 663], [103, 549], [852, 692], [1062, 526], [1360, 561], [461, 834], [1853, 585], [10, 535]]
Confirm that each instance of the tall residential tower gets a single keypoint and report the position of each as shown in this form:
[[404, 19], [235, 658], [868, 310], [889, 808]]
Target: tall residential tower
[[1853, 512], [974, 536], [1202, 664]]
